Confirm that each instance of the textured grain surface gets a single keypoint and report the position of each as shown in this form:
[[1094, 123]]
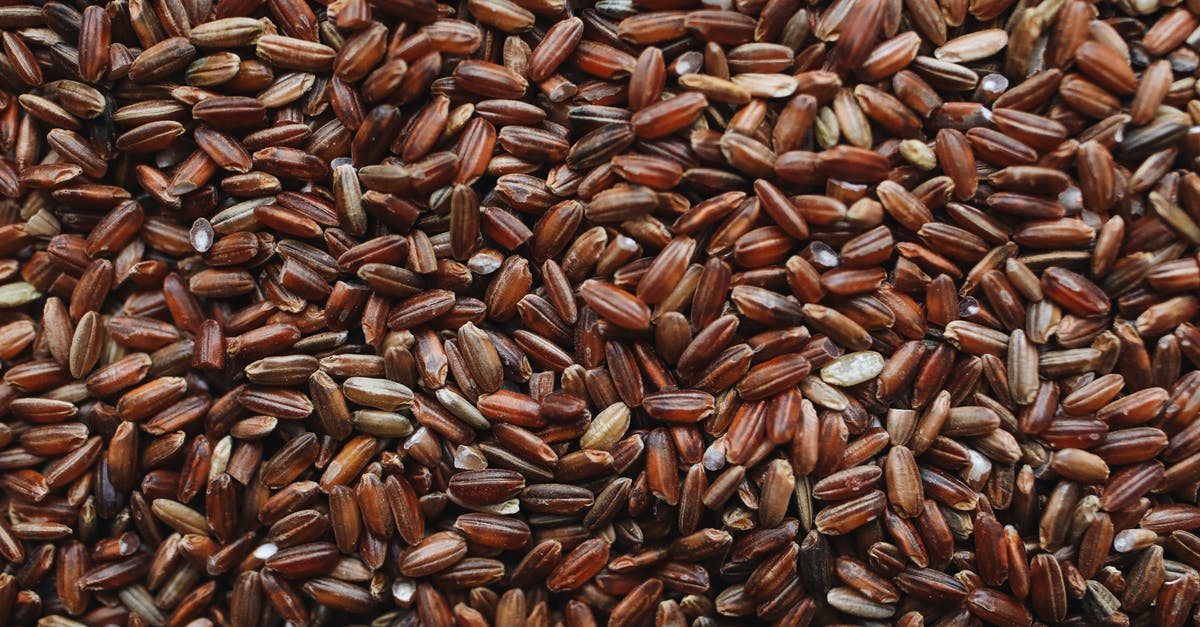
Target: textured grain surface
[[518, 312]]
